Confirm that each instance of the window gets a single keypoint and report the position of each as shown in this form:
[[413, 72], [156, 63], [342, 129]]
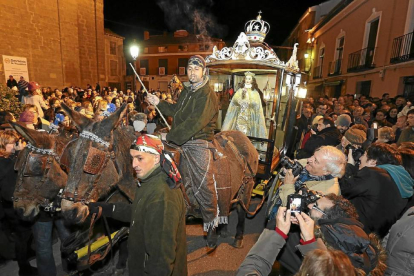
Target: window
[[363, 88], [162, 49], [182, 48], [182, 64], [114, 67], [146, 50], [112, 48], [163, 63], [201, 47], [144, 66]]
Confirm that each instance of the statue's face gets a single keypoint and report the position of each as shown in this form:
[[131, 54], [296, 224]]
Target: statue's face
[[195, 73], [249, 79]]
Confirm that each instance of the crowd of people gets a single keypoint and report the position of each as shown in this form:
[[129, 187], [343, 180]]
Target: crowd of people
[[356, 161], [357, 158]]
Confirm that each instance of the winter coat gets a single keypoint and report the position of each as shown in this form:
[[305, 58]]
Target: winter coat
[[407, 135], [400, 246], [329, 136], [375, 196], [195, 114], [157, 242], [259, 261], [36, 100]]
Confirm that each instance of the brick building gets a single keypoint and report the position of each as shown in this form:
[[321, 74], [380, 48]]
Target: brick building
[[358, 47], [63, 41], [162, 56], [114, 60]]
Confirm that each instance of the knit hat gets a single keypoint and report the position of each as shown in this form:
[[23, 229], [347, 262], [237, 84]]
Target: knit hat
[[27, 117], [33, 86], [149, 144], [197, 60], [355, 136], [343, 120]]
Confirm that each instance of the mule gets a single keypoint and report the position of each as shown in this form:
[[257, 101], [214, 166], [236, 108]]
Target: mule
[[40, 176], [97, 164], [111, 144]]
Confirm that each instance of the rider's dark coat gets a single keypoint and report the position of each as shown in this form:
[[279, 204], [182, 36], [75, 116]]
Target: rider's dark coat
[[195, 114], [157, 239]]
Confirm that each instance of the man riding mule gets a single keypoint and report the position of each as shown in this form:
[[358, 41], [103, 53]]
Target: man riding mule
[[194, 121]]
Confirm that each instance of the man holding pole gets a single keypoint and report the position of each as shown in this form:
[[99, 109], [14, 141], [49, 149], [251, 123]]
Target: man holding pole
[[194, 120]]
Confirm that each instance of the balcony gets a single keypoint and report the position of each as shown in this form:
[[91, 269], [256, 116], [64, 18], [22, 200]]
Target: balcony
[[361, 60], [317, 72], [402, 48], [335, 67]]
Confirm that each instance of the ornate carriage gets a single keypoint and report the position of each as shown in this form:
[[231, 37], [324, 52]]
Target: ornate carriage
[[279, 81]]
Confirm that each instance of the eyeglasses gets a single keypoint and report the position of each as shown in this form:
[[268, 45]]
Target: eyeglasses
[[316, 207]]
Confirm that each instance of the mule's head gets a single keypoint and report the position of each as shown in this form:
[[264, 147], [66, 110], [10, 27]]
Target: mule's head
[[40, 176], [92, 161]]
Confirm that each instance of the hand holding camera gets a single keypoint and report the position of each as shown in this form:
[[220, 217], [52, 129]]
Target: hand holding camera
[[283, 220], [307, 226]]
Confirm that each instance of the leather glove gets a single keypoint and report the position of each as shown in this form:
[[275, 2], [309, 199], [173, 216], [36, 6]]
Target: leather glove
[[152, 99], [107, 208]]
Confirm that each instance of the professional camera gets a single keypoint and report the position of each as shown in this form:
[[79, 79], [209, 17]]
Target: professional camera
[[288, 164], [356, 152], [299, 202]]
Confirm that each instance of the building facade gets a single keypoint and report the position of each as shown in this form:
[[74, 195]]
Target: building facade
[[363, 47], [163, 56], [114, 60], [63, 41]]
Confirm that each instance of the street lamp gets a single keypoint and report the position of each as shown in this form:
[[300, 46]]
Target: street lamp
[[134, 50]]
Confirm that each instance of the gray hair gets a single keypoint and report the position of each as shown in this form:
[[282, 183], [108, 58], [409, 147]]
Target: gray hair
[[336, 160], [139, 117]]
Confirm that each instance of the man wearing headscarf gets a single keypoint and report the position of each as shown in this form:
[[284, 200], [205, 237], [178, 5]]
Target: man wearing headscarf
[[157, 239], [195, 115]]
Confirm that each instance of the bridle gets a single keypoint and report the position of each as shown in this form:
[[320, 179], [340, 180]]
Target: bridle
[[96, 162], [51, 156]]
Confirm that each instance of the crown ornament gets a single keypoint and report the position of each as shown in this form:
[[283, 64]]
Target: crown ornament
[[256, 30]]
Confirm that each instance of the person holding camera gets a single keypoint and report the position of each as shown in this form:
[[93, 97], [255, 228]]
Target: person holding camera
[[332, 224], [327, 135], [379, 188]]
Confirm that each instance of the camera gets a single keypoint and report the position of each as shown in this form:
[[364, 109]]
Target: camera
[[287, 163], [314, 127], [299, 202], [356, 152]]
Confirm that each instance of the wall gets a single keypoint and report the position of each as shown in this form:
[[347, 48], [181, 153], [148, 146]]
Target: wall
[[63, 40]]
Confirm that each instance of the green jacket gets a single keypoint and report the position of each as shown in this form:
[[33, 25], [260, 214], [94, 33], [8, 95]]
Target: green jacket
[[157, 239], [407, 135], [195, 114]]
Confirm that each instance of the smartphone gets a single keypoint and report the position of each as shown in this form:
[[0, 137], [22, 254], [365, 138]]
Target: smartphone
[[294, 203], [375, 125]]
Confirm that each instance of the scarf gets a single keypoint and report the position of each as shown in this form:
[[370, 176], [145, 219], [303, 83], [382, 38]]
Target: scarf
[[304, 176], [402, 178]]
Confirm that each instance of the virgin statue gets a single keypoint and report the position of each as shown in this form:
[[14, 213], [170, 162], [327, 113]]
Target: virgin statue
[[245, 112]]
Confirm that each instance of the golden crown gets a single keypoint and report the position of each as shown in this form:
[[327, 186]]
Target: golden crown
[[249, 74], [256, 30]]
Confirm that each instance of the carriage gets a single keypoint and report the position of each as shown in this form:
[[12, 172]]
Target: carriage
[[280, 83]]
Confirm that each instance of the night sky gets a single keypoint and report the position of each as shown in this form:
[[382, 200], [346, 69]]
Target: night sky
[[218, 18]]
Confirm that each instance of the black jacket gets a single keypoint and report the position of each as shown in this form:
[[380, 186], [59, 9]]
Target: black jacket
[[375, 196], [329, 136]]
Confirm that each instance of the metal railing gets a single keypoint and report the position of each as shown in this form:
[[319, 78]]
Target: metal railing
[[317, 72], [335, 67], [361, 60], [402, 48]]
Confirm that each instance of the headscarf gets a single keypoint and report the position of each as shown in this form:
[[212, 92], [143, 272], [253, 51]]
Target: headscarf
[[153, 145]]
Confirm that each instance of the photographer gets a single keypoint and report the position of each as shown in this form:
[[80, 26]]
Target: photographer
[[327, 135], [374, 187], [320, 173], [332, 224]]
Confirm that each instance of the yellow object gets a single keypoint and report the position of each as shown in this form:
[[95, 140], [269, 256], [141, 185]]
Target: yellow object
[[94, 246]]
